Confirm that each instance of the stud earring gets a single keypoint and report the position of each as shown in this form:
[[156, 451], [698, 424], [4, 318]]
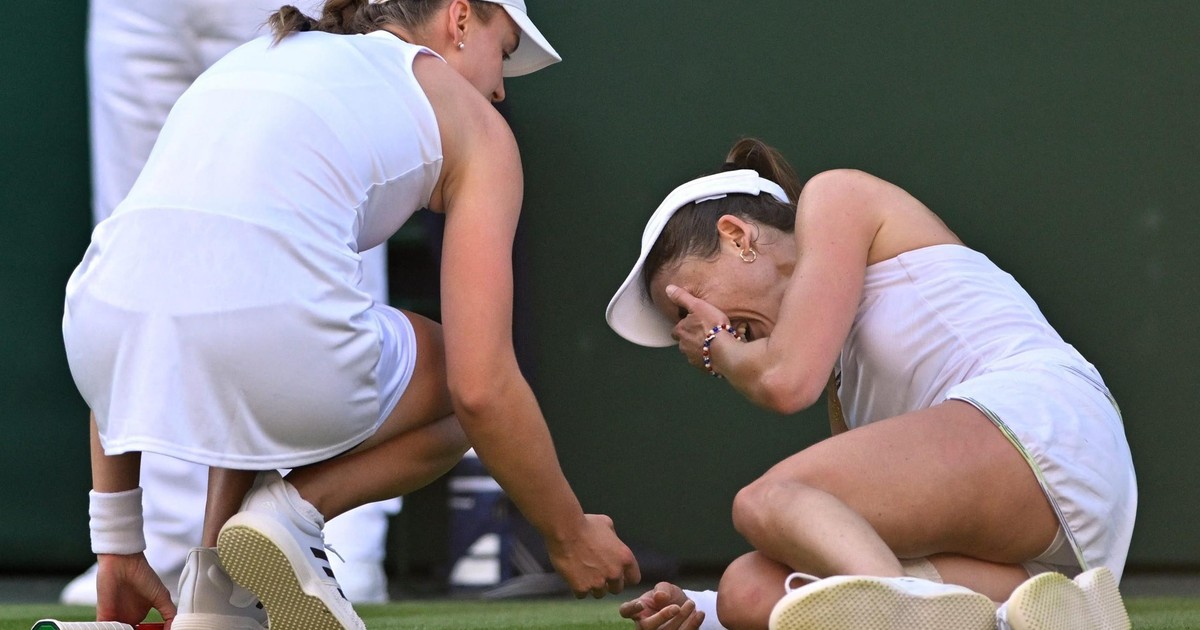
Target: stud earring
[[461, 45]]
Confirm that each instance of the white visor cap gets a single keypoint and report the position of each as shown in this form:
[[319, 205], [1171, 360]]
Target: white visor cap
[[630, 312], [534, 52]]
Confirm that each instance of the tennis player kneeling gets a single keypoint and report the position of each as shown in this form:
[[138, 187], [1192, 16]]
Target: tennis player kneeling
[[978, 475], [217, 316]]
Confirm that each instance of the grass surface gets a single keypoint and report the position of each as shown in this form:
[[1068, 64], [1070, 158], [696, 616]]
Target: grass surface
[[1158, 613]]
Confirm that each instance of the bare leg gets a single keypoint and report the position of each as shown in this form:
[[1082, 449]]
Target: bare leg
[[226, 489], [419, 442], [407, 462], [939, 481], [993, 579], [749, 589], [753, 583]]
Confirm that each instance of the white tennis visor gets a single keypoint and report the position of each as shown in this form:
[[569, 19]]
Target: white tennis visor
[[630, 312]]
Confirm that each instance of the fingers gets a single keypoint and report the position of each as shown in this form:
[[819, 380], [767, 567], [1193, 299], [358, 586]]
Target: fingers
[[674, 617], [633, 572], [161, 600], [678, 295], [615, 585], [631, 608]]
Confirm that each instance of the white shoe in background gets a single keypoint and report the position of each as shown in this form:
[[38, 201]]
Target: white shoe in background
[[359, 538]]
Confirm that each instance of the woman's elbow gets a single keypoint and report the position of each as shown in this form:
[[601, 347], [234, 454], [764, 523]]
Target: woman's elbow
[[786, 394], [475, 397]]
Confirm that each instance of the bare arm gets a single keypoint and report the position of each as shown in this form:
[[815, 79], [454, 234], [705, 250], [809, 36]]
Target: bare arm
[[481, 194], [126, 586], [112, 473], [845, 221]]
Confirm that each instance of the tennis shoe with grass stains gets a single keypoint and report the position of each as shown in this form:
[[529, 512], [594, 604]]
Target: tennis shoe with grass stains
[[1052, 601], [859, 602], [274, 547]]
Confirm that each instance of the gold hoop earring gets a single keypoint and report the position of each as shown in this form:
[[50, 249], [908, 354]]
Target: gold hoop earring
[[749, 255]]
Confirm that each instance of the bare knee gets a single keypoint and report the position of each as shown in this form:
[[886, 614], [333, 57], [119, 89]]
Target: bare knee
[[756, 508], [749, 589]]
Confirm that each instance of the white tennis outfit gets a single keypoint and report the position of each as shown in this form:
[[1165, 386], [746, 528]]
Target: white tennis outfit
[[217, 316], [943, 323]]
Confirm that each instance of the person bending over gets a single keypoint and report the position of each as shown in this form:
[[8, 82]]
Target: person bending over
[[217, 315]]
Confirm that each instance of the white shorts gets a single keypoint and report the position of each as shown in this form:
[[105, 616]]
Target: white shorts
[[1063, 421]]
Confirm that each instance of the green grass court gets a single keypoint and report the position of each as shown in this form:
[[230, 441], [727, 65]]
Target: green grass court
[[1148, 613]]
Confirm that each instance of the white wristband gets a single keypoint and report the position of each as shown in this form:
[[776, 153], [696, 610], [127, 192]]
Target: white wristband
[[706, 602], [116, 522]]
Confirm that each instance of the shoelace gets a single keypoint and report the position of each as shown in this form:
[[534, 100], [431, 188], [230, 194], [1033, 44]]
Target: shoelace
[[330, 548], [787, 583]]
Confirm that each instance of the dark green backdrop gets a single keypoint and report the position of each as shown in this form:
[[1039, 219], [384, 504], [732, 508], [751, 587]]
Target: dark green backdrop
[[1062, 140]]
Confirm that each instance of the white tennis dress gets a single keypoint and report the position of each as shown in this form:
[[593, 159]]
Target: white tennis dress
[[944, 322], [216, 316]]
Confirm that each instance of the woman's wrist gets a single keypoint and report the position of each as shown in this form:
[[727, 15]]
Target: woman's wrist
[[115, 522], [706, 348]]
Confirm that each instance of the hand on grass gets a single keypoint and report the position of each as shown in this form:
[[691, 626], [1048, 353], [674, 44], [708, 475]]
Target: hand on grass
[[595, 561], [127, 588], [664, 608]]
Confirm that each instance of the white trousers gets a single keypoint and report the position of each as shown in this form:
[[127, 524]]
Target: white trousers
[[142, 55]]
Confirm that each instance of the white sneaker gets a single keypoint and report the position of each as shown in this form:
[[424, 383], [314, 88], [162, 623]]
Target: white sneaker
[[362, 582], [209, 600], [274, 548], [359, 537], [857, 602], [81, 591], [1051, 601]]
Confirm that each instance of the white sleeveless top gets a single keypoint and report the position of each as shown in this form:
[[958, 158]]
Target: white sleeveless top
[[216, 315], [930, 319], [944, 322]]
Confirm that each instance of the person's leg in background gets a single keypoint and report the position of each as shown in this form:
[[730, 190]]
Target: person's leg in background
[[142, 55]]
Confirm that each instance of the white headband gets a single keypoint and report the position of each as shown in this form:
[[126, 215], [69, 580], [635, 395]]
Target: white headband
[[630, 312]]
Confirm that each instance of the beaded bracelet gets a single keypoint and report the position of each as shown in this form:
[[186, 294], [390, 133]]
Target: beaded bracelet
[[706, 350]]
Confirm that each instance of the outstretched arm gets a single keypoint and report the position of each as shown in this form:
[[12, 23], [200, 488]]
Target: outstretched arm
[[481, 195], [126, 587]]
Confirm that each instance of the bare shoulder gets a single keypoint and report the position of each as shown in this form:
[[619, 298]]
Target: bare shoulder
[[473, 133], [463, 113], [900, 221]]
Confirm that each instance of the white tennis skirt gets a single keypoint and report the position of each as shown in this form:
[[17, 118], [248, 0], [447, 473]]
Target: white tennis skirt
[[1064, 422], [232, 356]]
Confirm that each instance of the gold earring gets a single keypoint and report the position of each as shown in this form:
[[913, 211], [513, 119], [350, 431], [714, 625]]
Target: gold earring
[[749, 255]]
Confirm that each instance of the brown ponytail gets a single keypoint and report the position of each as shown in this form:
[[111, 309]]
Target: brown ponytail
[[692, 230], [288, 19], [350, 17], [757, 155]]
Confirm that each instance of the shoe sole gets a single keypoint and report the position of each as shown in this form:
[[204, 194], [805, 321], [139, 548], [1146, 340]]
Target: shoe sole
[[257, 564], [863, 603], [1052, 601]]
